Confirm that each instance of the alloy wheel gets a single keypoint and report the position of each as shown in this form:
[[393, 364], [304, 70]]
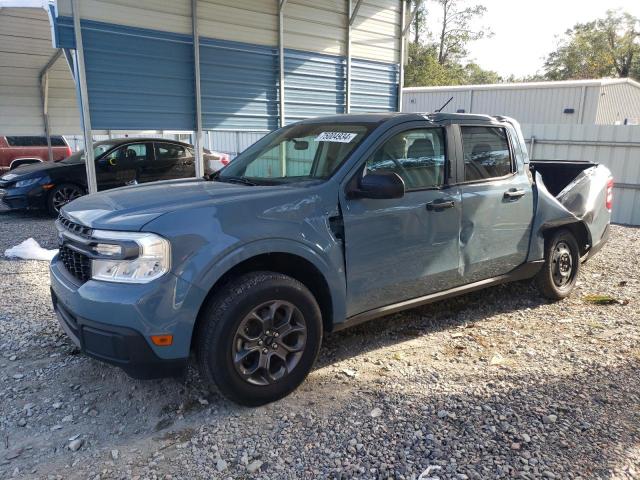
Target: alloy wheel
[[64, 195], [269, 342]]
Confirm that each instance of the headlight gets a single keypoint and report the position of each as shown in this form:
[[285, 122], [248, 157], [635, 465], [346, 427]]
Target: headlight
[[151, 259], [27, 182]]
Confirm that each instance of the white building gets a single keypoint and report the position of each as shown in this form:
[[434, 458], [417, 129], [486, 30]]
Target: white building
[[588, 102]]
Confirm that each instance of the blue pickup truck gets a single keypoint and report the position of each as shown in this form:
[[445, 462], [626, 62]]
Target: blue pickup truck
[[323, 224]]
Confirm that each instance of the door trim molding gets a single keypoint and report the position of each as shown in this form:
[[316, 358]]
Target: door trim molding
[[522, 272]]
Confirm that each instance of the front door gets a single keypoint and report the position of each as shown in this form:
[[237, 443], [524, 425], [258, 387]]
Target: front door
[[115, 169], [398, 249], [497, 204]]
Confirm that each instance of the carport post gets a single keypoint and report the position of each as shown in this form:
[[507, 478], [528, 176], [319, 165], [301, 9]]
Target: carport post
[[196, 74], [281, 58], [81, 83], [44, 96], [44, 91], [281, 5], [403, 31]]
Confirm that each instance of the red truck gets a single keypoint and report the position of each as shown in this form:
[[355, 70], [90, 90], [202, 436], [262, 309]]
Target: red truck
[[20, 150]]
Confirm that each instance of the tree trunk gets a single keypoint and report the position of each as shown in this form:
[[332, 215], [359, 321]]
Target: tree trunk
[[441, 58]]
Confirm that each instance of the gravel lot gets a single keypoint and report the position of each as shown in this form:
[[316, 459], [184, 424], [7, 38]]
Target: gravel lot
[[496, 384]]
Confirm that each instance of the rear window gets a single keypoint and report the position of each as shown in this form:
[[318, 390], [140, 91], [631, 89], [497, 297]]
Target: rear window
[[35, 141], [486, 153]]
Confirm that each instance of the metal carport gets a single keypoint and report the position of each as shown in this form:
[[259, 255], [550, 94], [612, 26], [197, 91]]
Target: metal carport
[[230, 65], [37, 93]]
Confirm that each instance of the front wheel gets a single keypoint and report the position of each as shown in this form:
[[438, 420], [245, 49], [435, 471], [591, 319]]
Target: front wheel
[[559, 274], [259, 337], [62, 194]]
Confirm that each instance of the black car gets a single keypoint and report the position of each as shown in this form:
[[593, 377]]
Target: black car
[[119, 162]]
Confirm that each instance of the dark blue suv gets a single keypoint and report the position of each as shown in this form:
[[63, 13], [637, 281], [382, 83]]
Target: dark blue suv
[[320, 225]]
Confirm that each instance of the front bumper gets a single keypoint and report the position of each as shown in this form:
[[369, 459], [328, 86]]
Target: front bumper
[[113, 322], [22, 198], [119, 346]]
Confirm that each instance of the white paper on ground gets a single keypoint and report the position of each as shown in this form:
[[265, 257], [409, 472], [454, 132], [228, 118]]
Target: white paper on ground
[[30, 250]]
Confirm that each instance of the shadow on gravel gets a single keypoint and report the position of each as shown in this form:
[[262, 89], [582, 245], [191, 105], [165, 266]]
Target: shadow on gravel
[[443, 315]]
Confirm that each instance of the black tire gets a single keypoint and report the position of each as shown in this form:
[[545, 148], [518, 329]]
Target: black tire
[[62, 194], [559, 274], [232, 325]]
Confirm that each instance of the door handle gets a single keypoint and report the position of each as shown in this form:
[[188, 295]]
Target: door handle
[[514, 194], [440, 204]]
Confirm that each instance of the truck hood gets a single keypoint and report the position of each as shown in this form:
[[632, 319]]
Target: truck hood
[[130, 208]]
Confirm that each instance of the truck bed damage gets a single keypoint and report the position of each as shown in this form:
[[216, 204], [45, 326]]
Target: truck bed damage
[[571, 194]]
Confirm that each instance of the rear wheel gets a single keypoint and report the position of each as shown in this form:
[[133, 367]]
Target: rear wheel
[[559, 274], [259, 337], [61, 195]]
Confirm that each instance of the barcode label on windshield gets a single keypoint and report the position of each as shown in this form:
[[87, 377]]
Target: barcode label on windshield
[[340, 137]]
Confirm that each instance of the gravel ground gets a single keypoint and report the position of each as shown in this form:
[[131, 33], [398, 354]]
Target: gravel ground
[[496, 384]]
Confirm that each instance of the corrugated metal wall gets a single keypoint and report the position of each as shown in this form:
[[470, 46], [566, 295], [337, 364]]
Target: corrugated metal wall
[[526, 104], [617, 147], [376, 31], [25, 49], [238, 85], [619, 102], [239, 79], [138, 78]]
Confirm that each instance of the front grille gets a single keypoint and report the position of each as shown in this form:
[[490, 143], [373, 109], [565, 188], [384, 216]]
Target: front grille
[[76, 263], [74, 227]]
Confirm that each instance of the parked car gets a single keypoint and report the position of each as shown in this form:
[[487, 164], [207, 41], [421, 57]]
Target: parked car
[[119, 162], [320, 225], [21, 150]]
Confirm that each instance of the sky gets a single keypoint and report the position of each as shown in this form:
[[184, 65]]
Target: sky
[[525, 30]]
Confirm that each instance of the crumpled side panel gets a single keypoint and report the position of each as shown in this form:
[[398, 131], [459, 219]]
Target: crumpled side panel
[[583, 200]]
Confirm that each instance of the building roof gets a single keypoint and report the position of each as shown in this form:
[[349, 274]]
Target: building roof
[[523, 85]]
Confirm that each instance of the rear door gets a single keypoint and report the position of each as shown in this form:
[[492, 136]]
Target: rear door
[[170, 161], [497, 203], [399, 249]]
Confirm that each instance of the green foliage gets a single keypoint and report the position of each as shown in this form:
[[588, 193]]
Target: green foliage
[[607, 47], [439, 59], [423, 69]]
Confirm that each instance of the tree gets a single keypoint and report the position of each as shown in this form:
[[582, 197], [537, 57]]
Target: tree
[[418, 24], [455, 31], [607, 47], [423, 69]]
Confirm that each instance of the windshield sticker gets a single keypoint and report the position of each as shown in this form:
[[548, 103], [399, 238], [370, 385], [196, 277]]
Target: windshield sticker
[[340, 137]]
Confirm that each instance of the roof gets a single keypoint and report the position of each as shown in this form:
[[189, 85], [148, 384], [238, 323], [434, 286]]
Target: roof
[[121, 141], [399, 117], [521, 85]]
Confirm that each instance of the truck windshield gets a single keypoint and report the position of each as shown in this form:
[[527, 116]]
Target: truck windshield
[[298, 153]]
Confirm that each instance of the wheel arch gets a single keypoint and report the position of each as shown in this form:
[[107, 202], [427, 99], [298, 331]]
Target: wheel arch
[[299, 264], [578, 229]]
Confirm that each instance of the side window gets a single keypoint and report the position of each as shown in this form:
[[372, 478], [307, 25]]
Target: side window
[[486, 153], [112, 157], [170, 151], [418, 156], [135, 152]]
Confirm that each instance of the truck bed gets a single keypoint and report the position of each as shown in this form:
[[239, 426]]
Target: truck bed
[[559, 174]]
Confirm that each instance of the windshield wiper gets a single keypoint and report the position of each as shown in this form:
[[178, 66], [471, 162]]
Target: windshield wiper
[[241, 180]]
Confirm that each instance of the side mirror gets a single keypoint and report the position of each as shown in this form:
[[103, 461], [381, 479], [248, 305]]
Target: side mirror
[[380, 185]]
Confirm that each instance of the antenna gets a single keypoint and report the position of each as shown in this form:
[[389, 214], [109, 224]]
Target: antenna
[[442, 107]]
